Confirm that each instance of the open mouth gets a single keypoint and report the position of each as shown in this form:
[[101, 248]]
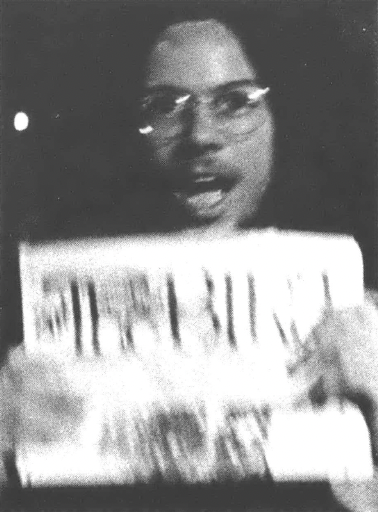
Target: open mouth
[[203, 194]]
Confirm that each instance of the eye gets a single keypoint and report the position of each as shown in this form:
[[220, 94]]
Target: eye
[[232, 102], [239, 101], [163, 105]]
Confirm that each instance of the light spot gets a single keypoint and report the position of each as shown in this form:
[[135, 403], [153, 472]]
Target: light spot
[[21, 121], [146, 130]]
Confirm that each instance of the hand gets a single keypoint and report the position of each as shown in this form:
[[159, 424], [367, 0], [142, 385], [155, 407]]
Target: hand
[[349, 354], [37, 404]]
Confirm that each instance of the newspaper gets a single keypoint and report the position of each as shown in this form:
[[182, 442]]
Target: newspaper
[[186, 352]]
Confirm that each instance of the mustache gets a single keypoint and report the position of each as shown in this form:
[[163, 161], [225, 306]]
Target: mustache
[[212, 177], [201, 173], [189, 151], [201, 165]]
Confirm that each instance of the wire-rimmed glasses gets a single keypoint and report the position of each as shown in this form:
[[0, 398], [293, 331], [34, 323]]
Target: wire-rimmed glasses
[[235, 109]]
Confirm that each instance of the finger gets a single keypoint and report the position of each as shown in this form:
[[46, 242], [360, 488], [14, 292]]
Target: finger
[[8, 406], [352, 336], [348, 347], [357, 496], [37, 371], [45, 405]]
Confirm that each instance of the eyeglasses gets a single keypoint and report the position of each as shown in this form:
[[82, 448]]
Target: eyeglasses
[[235, 111]]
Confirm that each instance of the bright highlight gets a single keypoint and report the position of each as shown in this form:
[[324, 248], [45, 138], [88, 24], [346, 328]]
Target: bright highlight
[[21, 121]]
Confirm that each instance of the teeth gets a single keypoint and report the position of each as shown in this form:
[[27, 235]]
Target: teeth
[[205, 179], [202, 200]]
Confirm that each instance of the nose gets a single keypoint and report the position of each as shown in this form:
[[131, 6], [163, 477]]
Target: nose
[[201, 130]]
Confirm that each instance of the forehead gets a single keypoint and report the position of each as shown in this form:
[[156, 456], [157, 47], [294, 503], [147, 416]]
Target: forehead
[[197, 56]]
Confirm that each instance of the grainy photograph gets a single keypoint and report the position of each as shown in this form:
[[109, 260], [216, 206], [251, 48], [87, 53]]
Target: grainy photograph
[[189, 255]]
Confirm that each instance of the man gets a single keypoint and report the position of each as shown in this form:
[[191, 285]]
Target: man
[[210, 131], [208, 123]]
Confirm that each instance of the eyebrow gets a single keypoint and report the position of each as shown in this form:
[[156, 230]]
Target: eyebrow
[[235, 83], [219, 88]]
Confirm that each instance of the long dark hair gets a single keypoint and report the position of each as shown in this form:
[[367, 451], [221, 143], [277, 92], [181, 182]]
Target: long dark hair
[[258, 37], [297, 54]]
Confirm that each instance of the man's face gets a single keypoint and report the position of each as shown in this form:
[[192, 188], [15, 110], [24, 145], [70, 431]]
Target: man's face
[[219, 164]]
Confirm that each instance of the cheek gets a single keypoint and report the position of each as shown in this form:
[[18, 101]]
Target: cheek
[[254, 158], [161, 155]]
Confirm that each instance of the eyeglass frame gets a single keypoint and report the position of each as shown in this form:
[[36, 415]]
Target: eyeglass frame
[[203, 99]]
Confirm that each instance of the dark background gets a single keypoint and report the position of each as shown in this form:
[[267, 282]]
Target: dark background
[[73, 68], [76, 171]]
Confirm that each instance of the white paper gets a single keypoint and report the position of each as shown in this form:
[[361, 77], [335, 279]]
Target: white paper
[[145, 294], [144, 324]]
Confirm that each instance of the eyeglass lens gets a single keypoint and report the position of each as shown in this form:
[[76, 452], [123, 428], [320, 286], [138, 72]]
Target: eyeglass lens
[[238, 110]]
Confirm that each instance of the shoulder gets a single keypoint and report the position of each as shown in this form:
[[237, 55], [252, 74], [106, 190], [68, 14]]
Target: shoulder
[[348, 339], [371, 298], [355, 326], [358, 318]]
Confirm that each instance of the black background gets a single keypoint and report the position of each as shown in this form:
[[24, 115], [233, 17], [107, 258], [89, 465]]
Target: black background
[[73, 68]]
